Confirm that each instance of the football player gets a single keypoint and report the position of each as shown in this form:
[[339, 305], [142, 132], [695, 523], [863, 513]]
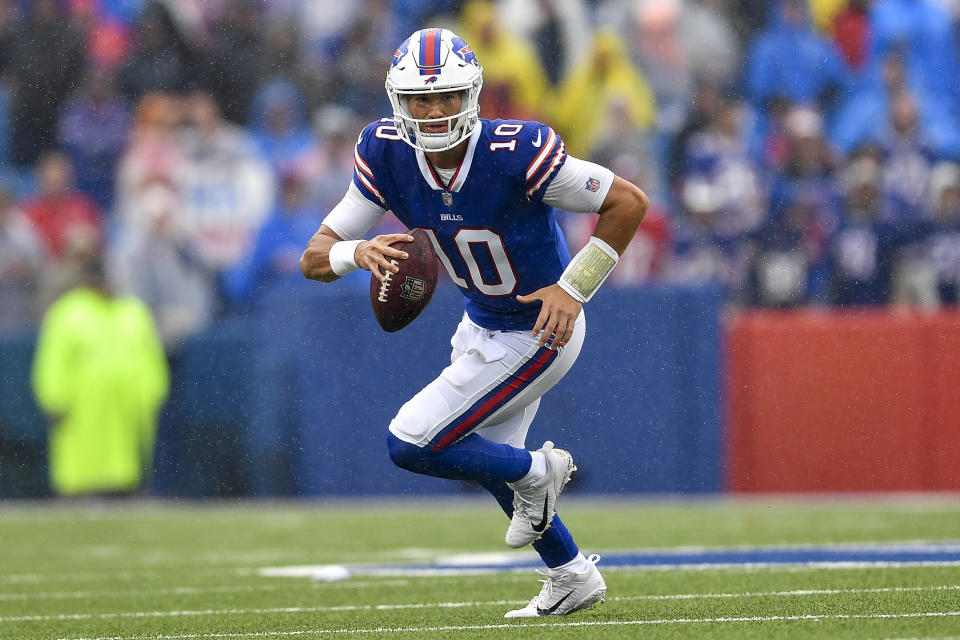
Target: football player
[[484, 190]]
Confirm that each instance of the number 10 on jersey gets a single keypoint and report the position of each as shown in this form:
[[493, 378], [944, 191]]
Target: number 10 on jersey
[[506, 283]]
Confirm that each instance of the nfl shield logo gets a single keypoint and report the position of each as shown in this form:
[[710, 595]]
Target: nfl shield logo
[[413, 288], [592, 185], [447, 198]]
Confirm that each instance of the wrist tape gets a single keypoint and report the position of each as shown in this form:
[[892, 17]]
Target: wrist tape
[[588, 269], [342, 257]]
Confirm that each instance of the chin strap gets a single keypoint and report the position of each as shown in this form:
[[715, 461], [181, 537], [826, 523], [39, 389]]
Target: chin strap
[[588, 269]]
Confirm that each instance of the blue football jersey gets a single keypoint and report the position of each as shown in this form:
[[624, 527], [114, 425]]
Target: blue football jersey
[[492, 232]]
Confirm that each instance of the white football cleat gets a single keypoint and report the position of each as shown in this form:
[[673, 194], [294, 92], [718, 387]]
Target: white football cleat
[[564, 592], [533, 508]]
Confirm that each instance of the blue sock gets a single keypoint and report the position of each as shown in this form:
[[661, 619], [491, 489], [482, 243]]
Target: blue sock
[[556, 547], [471, 458]]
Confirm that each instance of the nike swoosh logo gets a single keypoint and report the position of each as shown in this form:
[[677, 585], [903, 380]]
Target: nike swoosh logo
[[540, 526], [546, 612], [536, 142]]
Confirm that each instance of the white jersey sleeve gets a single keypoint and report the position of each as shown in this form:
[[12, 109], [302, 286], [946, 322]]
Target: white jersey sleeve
[[579, 186], [354, 215]]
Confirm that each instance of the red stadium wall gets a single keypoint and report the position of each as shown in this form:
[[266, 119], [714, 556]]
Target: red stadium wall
[[831, 401]]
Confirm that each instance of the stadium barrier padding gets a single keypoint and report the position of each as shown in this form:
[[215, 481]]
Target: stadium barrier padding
[[843, 401], [294, 398]]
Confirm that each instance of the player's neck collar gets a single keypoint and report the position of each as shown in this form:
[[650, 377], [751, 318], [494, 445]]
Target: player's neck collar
[[428, 173]]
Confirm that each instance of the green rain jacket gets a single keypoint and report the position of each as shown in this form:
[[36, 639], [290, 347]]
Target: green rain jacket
[[100, 373]]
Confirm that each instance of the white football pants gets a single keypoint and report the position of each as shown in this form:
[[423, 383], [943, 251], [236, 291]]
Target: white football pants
[[492, 386]]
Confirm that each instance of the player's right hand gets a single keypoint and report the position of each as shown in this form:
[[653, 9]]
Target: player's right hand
[[375, 254]]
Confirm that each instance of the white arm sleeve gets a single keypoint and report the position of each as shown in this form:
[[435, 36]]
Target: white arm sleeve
[[579, 186], [354, 215]]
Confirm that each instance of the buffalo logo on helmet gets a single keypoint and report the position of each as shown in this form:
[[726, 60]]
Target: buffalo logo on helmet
[[464, 51], [400, 52]]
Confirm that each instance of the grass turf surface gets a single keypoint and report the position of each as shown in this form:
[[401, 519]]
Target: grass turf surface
[[190, 570]]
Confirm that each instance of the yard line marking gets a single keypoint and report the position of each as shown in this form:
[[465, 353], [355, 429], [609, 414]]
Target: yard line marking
[[927, 638], [521, 626], [794, 592], [120, 574], [449, 605], [176, 591]]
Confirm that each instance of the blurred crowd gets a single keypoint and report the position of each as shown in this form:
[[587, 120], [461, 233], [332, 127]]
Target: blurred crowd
[[797, 153]]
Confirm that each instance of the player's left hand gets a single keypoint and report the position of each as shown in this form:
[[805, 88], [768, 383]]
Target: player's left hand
[[558, 314]]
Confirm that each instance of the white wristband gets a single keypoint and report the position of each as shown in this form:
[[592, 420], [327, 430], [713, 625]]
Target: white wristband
[[342, 257], [588, 269]]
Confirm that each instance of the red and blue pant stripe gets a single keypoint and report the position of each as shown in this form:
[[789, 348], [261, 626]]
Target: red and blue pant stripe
[[494, 399]]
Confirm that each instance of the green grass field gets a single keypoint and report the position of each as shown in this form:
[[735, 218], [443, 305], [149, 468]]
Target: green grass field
[[193, 570]]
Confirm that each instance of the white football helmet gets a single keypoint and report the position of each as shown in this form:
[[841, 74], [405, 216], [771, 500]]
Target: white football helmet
[[434, 61]]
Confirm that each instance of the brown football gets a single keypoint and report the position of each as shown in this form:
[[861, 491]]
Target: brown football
[[400, 299]]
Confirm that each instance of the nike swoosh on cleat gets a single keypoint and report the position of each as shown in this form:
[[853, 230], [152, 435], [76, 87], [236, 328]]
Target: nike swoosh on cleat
[[536, 142], [540, 526], [547, 612]]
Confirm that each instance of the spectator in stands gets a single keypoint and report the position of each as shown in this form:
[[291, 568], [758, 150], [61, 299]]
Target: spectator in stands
[[58, 212], [619, 137], [359, 78], [851, 34], [867, 114], [226, 185], [558, 29], [698, 255], [514, 82], [928, 269], [923, 33], [723, 200], [322, 25], [21, 262], [717, 163], [707, 34], [236, 59], [943, 242], [155, 150], [278, 122], [808, 171], [283, 59], [93, 132], [659, 52], [163, 59], [705, 103], [862, 250], [151, 258], [789, 268], [274, 260], [790, 61], [329, 163], [100, 375], [45, 67], [11, 23], [907, 159], [584, 98]]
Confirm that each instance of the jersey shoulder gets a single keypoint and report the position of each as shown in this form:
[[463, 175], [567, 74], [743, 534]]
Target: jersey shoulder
[[377, 137], [531, 136], [376, 145], [536, 150]]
